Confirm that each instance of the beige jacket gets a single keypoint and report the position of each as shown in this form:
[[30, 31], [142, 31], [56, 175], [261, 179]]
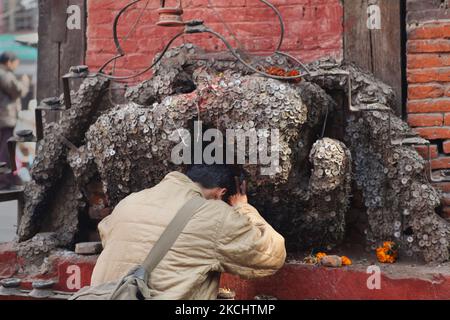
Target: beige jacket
[[11, 90], [218, 239]]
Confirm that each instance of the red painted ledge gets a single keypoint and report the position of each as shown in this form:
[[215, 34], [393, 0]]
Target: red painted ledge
[[294, 282], [304, 282]]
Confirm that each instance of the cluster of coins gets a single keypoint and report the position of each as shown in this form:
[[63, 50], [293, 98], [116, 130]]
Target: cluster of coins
[[173, 74], [36, 250], [53, 198], [56, 208], [330, 188], [310, 209], [139, 139], [130, 147], [51, 151], [400, 200], [330, 162]]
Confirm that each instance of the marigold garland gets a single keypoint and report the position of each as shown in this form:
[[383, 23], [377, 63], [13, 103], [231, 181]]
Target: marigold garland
[[276, 71]]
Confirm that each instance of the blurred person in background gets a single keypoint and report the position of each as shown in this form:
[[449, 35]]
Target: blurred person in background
[[12, 90]]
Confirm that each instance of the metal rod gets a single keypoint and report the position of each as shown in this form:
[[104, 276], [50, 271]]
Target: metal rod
[[12, 153], [66, 89], [249, 66], [39, 124], [280, 18], [115, 78], [116, 36]]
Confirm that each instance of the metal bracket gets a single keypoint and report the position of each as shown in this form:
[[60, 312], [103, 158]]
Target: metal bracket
[[76, 72], [49, 104], [4, 168], [195, 26]]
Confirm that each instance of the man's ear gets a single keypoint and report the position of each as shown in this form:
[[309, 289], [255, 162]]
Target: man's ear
[[223, 192]]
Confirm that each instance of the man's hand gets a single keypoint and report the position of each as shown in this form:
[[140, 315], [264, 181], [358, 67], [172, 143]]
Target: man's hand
[[241, 196], [238, 199]]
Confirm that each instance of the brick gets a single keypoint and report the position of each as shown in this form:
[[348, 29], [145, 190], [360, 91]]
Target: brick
[[429, 75], [104, 16], [426, 106], [313, 29], [446, 119], [445, 212], [430, 31], [446, 146], [445, 201], [425, 91], [429, 60], [423, 46], [425, 119], [447, 91], [433, 13], [441, 163], [421, 5], [443, 186], [423, 151], [101, 46], [434, 133]]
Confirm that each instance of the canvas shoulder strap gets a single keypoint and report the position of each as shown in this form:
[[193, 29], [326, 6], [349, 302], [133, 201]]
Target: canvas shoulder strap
[[171, 234]]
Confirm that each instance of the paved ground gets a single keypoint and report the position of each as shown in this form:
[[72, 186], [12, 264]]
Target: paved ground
[[8, 220]]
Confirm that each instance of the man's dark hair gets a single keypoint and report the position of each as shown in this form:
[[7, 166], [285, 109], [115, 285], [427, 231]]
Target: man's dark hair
[[8, 56], [214, 176]]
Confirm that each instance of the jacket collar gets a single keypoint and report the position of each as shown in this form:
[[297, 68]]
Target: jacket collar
[[179, 178], [4, 68]]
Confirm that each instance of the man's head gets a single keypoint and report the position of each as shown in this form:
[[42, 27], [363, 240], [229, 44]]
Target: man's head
[[216, 181], [9, 60]]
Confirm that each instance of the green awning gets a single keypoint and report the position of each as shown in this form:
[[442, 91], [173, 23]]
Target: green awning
[[8, 43]]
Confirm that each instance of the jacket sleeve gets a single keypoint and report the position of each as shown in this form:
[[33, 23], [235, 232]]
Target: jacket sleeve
[[104, 229], [248, 246], [14, 88]]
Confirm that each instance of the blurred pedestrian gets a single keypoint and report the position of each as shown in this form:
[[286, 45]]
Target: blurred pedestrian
[[12, 90]]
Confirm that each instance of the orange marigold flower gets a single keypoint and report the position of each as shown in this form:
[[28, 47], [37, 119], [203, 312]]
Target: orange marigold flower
[[346, 261], [388, 244], [388, 253], [320, 255]]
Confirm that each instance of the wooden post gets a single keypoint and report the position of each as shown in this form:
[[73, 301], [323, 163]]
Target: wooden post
[[376, 50], [59, 48]]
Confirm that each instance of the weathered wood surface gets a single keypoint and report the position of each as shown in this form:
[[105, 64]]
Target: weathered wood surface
[[59, 47], [376, 50]]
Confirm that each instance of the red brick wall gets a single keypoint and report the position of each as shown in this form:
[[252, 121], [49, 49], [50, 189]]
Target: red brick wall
[[313, 29], [428, 107]]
